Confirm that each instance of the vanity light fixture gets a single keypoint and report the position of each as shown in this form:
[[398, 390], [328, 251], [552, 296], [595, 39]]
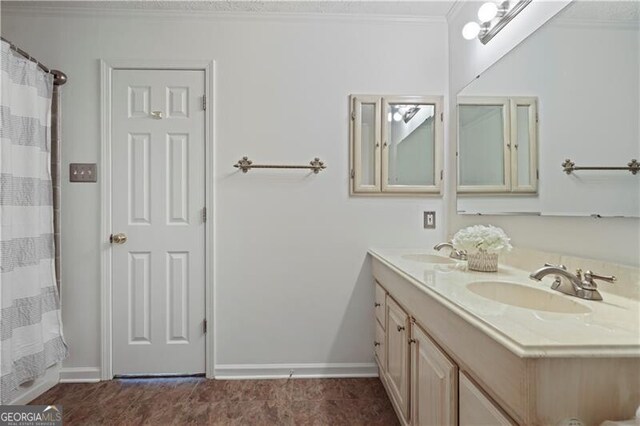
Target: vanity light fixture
[[493, 17]]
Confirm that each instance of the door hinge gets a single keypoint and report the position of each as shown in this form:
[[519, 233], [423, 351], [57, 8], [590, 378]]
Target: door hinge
[[538, 174], [204, 214], [353, 115], [353, 174], [204, 326], [204, 102], [441, 174], [442, 116]]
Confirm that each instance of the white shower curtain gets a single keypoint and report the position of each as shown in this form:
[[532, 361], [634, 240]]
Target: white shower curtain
[[30, 326]]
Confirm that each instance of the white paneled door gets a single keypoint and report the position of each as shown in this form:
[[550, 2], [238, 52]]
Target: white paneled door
[[158, 242]]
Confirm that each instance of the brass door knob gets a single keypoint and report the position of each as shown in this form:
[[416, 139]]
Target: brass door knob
[[119, 238]]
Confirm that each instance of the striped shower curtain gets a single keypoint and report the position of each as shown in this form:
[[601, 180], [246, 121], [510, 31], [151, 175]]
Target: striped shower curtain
[[30, 326]]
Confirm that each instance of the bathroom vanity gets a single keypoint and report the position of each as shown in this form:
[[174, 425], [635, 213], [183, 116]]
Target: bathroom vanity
[[460, 347]]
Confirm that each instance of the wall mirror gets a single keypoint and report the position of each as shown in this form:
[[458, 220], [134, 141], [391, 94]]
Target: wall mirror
[[571, 91], [396, 144]]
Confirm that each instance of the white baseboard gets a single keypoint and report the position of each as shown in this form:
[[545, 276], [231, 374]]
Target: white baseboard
[[28, 393], [79, 375], [282, 371]]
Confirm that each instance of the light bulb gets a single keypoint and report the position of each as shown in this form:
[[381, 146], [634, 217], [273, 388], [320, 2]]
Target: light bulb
[[470, 30], [487, 12], [397, 116]]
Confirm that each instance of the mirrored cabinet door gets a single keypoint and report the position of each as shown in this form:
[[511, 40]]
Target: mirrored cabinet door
[[411, 144], [365, 173], [524, 136], [483, 145]]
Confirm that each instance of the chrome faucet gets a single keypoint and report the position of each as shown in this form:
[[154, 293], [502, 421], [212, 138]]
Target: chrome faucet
[[455, 254], [580, 284]]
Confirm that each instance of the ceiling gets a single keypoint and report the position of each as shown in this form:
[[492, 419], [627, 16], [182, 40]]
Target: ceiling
[[424, 8]]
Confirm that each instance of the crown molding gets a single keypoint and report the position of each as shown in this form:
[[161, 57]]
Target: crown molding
[[595, 23], [454, 10], [66, 11]]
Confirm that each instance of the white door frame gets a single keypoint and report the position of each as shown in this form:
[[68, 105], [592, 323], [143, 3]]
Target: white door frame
[[106, 303]]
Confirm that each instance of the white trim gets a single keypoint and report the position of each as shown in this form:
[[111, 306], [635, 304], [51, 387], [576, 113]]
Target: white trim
[[279, 371], [454, 10], [49, 379], [80, 375], [213, 14], [104, 247]]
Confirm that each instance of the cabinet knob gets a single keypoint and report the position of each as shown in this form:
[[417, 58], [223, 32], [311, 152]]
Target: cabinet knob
[[400, 327], [412, 341], [376, 343], [376, 304]]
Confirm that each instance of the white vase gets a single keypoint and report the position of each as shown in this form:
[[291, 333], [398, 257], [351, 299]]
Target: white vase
[[483, 261]]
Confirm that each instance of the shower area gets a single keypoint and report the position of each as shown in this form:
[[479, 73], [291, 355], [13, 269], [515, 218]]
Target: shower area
[[31, 337]]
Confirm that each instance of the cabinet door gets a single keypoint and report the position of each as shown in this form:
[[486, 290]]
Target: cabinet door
[[365, 144], [484, 147], [380, 305], [412, 135], [398, 355], [476, 409], [433, 383], [380, 346]]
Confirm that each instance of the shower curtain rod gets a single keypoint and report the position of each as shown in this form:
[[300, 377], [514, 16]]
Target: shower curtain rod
[[59, 78]]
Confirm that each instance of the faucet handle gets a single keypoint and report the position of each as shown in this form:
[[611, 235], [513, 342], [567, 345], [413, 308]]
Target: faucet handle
[[556, 266], [590, 276]]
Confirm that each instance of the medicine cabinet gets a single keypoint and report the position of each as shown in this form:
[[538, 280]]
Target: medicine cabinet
[[396, 144], [497, 145]]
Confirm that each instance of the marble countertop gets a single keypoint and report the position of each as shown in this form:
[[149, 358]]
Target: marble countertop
[[606, 328]]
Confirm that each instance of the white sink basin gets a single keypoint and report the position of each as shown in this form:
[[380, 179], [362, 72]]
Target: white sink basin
[[427, 258], [526, 297]]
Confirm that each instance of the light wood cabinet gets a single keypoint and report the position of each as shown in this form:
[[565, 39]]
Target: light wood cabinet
[[380, 347], [434, 379], [397, 371], [380, 305], [498, 387], [476, 409]]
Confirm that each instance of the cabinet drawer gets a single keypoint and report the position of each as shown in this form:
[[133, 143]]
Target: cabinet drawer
[[476, 408], [380, 346], [380, 305]]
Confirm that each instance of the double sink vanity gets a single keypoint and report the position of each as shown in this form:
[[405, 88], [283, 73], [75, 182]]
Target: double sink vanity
[[454, 346]]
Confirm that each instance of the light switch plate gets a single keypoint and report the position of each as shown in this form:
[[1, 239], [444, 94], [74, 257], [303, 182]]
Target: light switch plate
[[83, 172], [429, 220]]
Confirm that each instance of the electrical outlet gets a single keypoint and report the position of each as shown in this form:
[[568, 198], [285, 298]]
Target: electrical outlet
[[429, 220], [83, 172]]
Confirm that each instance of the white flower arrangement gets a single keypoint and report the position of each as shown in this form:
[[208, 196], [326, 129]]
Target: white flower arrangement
[[482, 238]]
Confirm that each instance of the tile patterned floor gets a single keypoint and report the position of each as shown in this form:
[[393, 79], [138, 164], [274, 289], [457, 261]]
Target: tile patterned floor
[[223, 402]]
